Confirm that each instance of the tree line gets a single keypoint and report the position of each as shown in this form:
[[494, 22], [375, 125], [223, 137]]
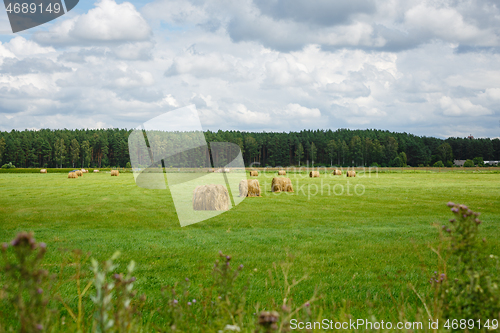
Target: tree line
[[342, 147]]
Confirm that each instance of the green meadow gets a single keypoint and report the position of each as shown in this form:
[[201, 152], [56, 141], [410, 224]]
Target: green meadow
[[365, 246]]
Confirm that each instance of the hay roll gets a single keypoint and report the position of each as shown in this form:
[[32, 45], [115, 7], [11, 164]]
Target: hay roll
[[43, 171], [210, 197], [96, 171], [281, 184], [115, 173], [314, 174], [282, 173], [351, 173], [226, 170], [79, 173], [72, 175], [250, 188], [337, 173], [84, 171], [254, 173]]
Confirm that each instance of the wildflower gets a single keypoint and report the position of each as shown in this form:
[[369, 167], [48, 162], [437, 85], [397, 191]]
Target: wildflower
[[187, 280], [241, 267], [194, 301], [454, 210], [307, 304], [39, 290], [4, 246], [234, 328], [450, 204], [42, 245], [176, 301], [228, 258], [452, 220], [39, 327], [189, 303]]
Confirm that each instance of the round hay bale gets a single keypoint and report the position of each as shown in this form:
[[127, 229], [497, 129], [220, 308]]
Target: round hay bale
[[281, 184], [43, 171], [226, 170], [210, 197], [314, 174], [351, 173], [84, 171], [72, 175], [96, 171], [79, 173], [254, 173], [337, 173], [249, 188], [282, 173], [115, 173]]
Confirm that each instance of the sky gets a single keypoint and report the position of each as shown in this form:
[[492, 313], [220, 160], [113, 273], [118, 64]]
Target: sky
[[422, 67]]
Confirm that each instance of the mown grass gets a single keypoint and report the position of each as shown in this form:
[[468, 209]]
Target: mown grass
[[362, 248]]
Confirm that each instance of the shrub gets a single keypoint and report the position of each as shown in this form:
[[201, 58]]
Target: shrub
[[8, 166], [438, 164], [375, 164], [478, 161], [128, 165], [469, 164]]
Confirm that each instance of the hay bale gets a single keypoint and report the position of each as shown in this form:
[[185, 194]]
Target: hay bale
[[250, 188], [337, 173], [281, 184], [95, 171], [84, 171], [351, 173], [115, 173], [79, 173], [254, 173], [282, 173], [72, 175], [226, 170], [43, 171], [210, 197], [314, 174]]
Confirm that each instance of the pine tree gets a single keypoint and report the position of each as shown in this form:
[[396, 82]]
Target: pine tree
[[74, 151], [299, 153]]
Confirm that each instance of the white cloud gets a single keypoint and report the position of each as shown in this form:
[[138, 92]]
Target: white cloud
[[294, 111], [22, 47], [108, 22], [462, 107]]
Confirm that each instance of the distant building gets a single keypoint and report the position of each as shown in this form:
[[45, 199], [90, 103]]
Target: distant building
[[470, 137], [491, 162], [459, 162]]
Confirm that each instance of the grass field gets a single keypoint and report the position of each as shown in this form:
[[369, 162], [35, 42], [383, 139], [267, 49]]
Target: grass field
[[362, 248]]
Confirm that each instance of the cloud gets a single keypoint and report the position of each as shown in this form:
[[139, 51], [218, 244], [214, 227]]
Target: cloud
[[20, 46], [461, 107], [30, 66], [294, 111], [107, 23], [261, 65]]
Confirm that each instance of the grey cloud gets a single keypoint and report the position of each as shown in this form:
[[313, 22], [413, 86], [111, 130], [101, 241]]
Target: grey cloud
[[13, 66], [316, 12]]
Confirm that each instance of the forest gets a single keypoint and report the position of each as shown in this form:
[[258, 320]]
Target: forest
[[342, 147]]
